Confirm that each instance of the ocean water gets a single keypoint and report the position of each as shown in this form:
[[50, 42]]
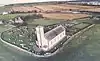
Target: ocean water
[[83, 48]]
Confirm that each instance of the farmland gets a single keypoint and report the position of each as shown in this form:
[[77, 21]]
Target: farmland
[[83, 48], [54, 11], [54, 8], [68, 16], [11, 16], [50, 11]]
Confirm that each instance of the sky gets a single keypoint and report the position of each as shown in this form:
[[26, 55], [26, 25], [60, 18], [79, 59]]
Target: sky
[[24, 1]]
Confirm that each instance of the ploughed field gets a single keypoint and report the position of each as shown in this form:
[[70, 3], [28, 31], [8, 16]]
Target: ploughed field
[[57, 11], [53, 8], [25, 36], [67, 16]]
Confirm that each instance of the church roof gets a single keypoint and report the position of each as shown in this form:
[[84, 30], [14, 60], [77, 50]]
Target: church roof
[[54, 32]]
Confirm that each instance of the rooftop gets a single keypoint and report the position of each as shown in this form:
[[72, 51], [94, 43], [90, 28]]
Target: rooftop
[[54, 32]]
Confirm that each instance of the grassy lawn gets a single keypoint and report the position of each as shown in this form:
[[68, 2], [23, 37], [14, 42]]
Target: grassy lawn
[[4, 8], [82, 25], [3, 28], [84, 20], [31, 21], [20, 36], [10, 16], [43, 21], [7, 17]]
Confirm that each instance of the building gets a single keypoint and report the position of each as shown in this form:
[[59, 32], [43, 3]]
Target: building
[[18, 20], [46, 41], [4, 13], [1, 22]]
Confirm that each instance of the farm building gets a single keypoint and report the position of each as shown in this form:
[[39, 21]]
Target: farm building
[[17, 19], [46, 41]]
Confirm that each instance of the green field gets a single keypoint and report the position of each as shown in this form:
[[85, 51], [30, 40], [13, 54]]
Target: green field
[[7, 17], [10, 16], [4, 8], [43, 21], [83, 48], [31, 21]]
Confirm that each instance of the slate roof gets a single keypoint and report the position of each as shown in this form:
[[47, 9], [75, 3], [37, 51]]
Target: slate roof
[[54, 32]]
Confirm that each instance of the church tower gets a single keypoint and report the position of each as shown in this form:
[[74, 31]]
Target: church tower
[[41, 41]]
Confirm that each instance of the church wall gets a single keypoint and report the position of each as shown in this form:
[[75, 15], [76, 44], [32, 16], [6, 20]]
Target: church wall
[[56, 40]]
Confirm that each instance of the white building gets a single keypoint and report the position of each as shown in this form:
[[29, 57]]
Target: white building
[[1, 22], [46, 41], [4, 13], [18, 20]]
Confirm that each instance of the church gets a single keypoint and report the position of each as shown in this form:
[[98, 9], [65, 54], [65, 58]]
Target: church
[[46, 41]]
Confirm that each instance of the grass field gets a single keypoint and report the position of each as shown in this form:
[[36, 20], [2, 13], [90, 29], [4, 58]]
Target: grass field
[[11, 16], [83, 48], [43, 21], [31, 21], [49, 16], [4, 8], [7, 17]]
